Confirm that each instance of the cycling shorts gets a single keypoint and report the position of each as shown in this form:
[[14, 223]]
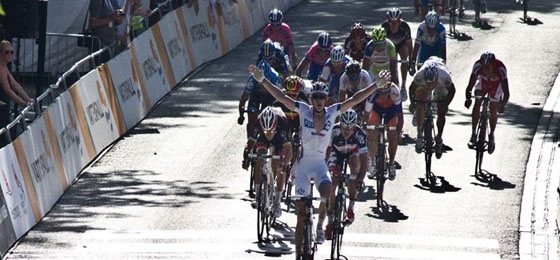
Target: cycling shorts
[[307, 168]]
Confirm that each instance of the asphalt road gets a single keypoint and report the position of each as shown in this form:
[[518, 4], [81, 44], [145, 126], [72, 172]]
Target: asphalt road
[[173, 187]]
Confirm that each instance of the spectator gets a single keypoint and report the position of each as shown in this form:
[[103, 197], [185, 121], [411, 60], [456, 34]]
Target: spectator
[[139, 19], [104, 16], [11, 89]]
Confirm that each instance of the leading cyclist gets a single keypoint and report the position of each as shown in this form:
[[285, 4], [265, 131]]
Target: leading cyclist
[[489, 76], [317, 121]]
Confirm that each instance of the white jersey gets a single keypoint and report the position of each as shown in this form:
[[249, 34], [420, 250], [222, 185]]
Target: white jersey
[[365, 80], [444, 80], [314, 144]]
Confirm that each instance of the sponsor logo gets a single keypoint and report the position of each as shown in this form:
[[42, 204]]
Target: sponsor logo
[[94, 112], [174, 48], [40, 167], [126, 89], [199, 32]]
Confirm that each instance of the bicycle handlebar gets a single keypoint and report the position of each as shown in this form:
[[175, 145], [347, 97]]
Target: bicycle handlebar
[[265, 156], [308, 198]]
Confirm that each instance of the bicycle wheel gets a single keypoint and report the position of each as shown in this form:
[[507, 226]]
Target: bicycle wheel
[[262, 217], [428, 150], [307, 248], [252, 180], [480, 144], [337, 226], [380, 172]]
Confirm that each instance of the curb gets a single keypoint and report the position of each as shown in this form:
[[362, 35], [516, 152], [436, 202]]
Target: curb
[[539, 218]]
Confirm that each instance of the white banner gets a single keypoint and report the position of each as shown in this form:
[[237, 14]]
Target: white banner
[[15, 193], [203, 38]]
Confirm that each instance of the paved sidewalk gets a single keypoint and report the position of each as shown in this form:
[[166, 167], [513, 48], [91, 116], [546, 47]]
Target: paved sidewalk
[[539, 218]]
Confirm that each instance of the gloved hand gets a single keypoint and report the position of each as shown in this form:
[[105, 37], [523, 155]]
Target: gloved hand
[[411, 68], [240, 120], [256, 73], [412, 107], [468, 101]]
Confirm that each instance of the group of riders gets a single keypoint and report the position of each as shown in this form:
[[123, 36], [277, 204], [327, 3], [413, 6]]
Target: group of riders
[[347, 87]]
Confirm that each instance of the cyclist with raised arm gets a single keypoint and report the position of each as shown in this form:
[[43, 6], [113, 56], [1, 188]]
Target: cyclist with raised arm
[[430, 40], [317, 121], [316, 57], [398, 31], [333, 69], [384, 106], [431, 80], [488, 77], [355, 44], [274, 55], [257, 97], [353, 80], [278, 31], [348, 142], [271, 133]]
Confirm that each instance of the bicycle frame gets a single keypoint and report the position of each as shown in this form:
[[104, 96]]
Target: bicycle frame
[[309, 246], [265, 197], [429, 132], [481, 144], [380, 161], [296, 146], [339, 212]]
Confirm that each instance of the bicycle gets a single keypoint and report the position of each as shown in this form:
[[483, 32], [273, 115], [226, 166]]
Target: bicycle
[[481, 144], [309, 246], [339, 212], [265, 197], [428, 146], [381, 161], [296, 147]]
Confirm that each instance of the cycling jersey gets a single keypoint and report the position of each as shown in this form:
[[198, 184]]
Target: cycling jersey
[[341, 148], [278, 140], [362, 82], [402, 34], [490, 81], [292, 117], [443, 82], [351, 49], [283, 36], [317, 59], [280, 60], [258, 96], [430, 45], [314, 147], [384, 106], [332, 75], [380, 59]]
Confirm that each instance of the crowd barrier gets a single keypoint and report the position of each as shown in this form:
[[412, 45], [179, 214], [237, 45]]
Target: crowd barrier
[[42, 162]]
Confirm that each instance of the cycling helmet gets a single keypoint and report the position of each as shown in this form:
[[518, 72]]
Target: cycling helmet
[[275, 16], [487, 58], [378, 34], [337, 54], [267, 49], [349, 118], [384, 81], [431, 73], [324, 40], [353, 68], [358, 31], [268, 119], [319, 88], [293, 84], [432, 20], [267, 70], [394, 14]]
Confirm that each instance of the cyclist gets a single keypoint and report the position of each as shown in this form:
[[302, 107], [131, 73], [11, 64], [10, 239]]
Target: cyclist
[[348, 142], [380, 55], [278, 31], [384, 106], [355, 44], [431, 80], [398, 31], [317, 121], [430, 40], [258, 97], [271, 133], [353, 80], [316, 57], [333, 69], [488, 77], [274, 55]]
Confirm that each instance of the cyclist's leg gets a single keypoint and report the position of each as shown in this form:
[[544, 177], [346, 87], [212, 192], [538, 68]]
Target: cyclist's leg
[[372, 134], [354, 164], [478, 91], [441, 93], [404, 49], [392, 138], [302, 188], [421, 93]]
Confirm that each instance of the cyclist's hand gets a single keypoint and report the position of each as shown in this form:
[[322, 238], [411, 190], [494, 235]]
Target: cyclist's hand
[[412, 107], [240, 120], [334, 169], [468, 103], [501, 108], [256, 73], [411, 68]]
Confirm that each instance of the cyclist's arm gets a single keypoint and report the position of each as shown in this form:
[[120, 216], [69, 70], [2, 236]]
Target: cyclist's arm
[[358, 97], [273, 90], [468, 90], [302, 64], [450, 93], [505, 97], [242, 101]]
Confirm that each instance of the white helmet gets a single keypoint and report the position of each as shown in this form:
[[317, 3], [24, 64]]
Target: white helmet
[[337, 54]]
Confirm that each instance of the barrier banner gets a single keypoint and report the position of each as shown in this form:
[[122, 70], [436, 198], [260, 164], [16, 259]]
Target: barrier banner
[[7, 234], [175, 46], [127, 89], [107, 84], [149, 66], [40, 167], [15, 192], [225, 15], [252, 15], [91, 100], [76, 151], [203, 38]]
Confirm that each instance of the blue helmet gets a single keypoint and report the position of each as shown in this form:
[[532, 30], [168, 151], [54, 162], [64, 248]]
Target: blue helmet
[[324, 40], [275, 16], [267, 49], [432, 19]]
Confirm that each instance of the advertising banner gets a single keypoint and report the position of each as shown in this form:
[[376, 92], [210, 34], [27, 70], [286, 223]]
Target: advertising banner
[[76, 149], [15, 193], [175, 46], [225, 15], [127, 88], [7, 234], [91, 100], [149, 66], [202, 35]]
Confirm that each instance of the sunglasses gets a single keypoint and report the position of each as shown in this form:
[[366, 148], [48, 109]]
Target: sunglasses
[[267, 132], [275, 24], [347, 127], [324, 49], [9, 52], [394, 21], [319, 97], [354, 78], [378, 43]]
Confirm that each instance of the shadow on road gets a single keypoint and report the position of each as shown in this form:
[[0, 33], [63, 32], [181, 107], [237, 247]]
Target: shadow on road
[[530, 21], [492, 181], [388, 213], [441, 186]]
